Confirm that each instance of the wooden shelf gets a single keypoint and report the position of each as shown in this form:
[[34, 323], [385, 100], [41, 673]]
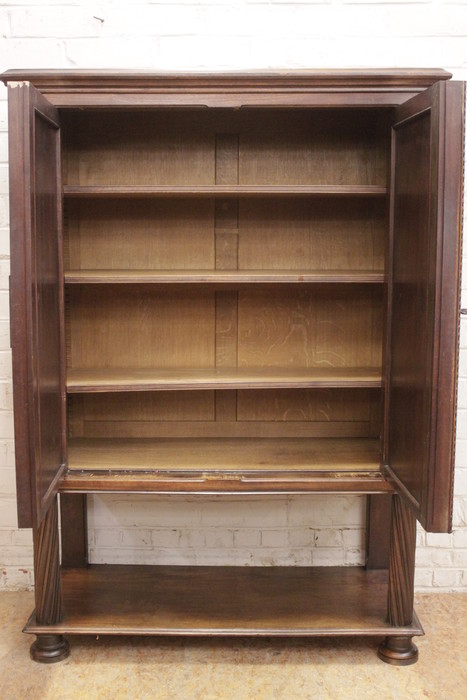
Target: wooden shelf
[[225, 466], [215, 455], [226, 483], [224, 277], [117, 380], [224, 191], [185, 600]]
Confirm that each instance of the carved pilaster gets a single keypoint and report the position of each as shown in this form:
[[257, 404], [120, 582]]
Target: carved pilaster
[[401, 564], [48, 648], [47, 569], [401, 650]]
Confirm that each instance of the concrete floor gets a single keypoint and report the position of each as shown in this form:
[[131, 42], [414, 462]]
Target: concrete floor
[[238, 668]]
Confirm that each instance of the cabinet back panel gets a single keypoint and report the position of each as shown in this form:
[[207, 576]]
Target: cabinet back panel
[[337, 327], [139, 148], [179, 147], [318, 147], [112, 327], [291, 405], [140, 235], [270, 413], [143, 326], [181, 234], [311, 234], [140, 326]]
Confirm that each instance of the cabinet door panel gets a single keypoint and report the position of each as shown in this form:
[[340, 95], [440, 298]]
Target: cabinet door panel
[[424, 300], [36, 299]]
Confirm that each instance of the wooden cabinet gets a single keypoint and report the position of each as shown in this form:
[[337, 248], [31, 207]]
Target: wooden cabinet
[[234, 284]]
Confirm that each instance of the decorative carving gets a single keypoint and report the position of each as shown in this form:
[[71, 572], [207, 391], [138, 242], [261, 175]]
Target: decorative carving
[[400, 651], [401, 564], [48, 648], [47, 569]]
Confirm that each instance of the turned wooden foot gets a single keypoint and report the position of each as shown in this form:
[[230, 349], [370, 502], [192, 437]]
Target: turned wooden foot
[[399, 651], [49, 648]]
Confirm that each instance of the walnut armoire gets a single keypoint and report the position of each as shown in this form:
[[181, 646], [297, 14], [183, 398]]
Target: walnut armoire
[[234, 284]]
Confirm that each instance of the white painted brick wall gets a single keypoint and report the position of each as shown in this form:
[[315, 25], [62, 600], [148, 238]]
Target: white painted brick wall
[[175, 530], [224, 34]]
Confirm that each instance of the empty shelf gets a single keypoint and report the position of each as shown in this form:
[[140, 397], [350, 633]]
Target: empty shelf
[[224, 454], [106, 380], [218, 600], [224, 277], [223, 190]]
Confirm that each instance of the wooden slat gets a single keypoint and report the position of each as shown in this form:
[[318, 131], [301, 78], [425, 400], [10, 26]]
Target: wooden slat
[[223, 190], [224, 601], [92, 380], [224, 277], [224, 454], [223, 427], [197, 483]]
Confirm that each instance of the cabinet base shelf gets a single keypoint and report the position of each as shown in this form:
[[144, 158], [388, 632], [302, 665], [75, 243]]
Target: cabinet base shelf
[[230, 483], [224, 601]]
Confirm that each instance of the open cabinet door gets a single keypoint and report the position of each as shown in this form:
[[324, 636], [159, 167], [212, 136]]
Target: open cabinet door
[[427, 148], [36, 299]]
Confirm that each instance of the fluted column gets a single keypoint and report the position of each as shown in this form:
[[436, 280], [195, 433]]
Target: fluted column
[[399, 650], [48, 648]]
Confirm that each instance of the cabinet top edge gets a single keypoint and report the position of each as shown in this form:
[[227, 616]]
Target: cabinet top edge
[[96, 80]]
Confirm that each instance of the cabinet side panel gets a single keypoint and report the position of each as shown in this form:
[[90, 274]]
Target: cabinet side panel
[[426, 196], [413, 306], [19, 208], [46, 276], [441, 480], [36, 301]]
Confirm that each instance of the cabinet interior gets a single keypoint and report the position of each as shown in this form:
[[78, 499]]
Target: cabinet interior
[[225, 276], [235, 300]]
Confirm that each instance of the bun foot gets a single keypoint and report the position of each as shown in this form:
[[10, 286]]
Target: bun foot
[[49, 648], [398, 651]]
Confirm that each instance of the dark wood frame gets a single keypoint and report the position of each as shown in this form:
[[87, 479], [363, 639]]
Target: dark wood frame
[[390, 545]]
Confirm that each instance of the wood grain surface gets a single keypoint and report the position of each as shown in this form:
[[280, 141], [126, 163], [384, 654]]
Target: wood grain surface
[[232, 275], [401, 563], [47, 589], [224, 600], [279, 152], [134, 379], [120, 191], [224, 454], [221, 277]]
